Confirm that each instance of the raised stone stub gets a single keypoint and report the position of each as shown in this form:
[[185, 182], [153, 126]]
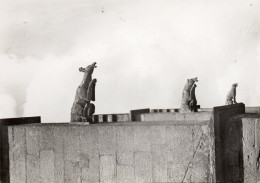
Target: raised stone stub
[[135, 115]]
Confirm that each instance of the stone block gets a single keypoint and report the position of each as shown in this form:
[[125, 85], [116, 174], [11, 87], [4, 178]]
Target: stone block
[[72, 143], [179, 140], [91, 172], [107, 139], [199, 166], [47, 166], [142, 138], [32, 141], [33, 168], [125, 138], [109, 118], [107, 168], [158, 134], [72, 172], [250, 149], [125, 174], [176, 172], [58, 137], [46, 138], [125, 158], [89, 140], [18, 153], [143, 167], [123, 117], [159, 163], [100, 118]]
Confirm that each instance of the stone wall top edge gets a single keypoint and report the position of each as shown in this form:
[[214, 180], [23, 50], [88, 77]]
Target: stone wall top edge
[[143, 123], [224, 107]]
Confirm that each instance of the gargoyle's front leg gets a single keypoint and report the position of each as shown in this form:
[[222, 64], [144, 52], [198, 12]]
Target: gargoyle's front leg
[[235, 99]]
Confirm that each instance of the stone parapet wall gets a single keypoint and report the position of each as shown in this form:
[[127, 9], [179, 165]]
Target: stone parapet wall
[[112, 152], [252, 109], [198, 116], [101, 118], [251, 149], [4, 145]]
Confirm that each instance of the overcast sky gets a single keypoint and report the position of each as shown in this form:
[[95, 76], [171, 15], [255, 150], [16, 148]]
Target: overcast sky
[[145, 51]]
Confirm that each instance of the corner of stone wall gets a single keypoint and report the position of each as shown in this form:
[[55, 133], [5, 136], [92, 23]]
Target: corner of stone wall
[[228, 164]]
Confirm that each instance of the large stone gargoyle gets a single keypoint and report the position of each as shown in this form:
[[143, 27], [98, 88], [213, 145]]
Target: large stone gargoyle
[[81, 98]]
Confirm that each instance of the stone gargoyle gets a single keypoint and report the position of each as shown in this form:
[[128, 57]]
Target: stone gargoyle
[[82, 98], [231, 96], [188, 96]]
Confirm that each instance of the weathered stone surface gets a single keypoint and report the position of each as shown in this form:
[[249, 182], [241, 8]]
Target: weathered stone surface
[[159, 163], [58, 137], [114, 152], [251, 130], [143, 167], [91, 171], [7, 142], [18, 153], [107, 139], [125, 138], [142, 136], [125, 158], [198, 116], [123, 117], [47, 166], [125, 174], [33, 169], [158, 134], [107, 168], [72, 172]]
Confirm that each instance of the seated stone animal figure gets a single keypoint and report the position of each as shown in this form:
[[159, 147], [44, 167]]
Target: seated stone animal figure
[[186, 94], [231, 96], [81, 97]]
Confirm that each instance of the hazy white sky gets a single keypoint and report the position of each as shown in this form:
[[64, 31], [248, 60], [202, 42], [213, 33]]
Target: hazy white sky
[[145, 50]]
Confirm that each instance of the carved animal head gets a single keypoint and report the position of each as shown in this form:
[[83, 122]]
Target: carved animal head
[[88, 68], [234, 85], [192, 80]]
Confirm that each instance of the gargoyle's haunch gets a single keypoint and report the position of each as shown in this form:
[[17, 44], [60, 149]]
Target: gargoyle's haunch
[[231, 96], [83, 98]]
